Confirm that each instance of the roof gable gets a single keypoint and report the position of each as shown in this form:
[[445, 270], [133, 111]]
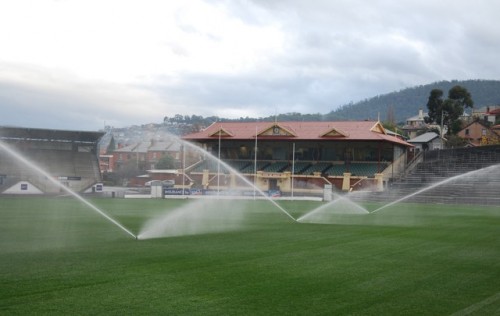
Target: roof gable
[[378, 128], [276, 130], [222, 132], [335, 132], [126, 149], [474, 123]]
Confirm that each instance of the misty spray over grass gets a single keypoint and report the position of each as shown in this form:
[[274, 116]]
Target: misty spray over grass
[[202, 216], [328, 213], [468, 176]]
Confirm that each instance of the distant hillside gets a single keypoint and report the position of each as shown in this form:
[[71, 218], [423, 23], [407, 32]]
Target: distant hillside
[[403, 104], [407, 102]]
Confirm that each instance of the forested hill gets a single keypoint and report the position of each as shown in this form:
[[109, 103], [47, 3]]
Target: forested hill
[[407, 102], [398, 105]]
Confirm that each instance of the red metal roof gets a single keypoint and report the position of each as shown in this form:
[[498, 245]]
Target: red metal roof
[[298, 131], [494, 112]]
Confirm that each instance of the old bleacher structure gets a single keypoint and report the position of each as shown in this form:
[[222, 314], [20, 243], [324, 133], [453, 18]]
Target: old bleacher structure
[[69, 158]]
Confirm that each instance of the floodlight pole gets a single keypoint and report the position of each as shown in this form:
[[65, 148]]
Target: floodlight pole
[[293, 167], [255, 165], [441, 131], [183, 169], [218, 166]]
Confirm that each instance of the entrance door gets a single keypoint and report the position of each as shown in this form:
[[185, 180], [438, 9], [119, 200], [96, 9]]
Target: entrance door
[[273, 184]]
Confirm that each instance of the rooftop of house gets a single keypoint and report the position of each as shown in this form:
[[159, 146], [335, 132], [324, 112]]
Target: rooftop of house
[[424, 138]]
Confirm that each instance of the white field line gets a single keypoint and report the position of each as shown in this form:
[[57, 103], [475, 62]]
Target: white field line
[[475, 307]]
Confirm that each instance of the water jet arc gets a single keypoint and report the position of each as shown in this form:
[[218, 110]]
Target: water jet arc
[[228, 167], [341, 205], [433, 186], [33, 166]]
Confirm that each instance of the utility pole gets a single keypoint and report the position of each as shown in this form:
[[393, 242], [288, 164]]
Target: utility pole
[[441, 130]]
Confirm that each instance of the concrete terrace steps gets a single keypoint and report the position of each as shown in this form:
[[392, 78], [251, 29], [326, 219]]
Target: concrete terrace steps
[[476, 186]]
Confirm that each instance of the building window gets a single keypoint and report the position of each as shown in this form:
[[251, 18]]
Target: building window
[[467, 132], [483, 132]]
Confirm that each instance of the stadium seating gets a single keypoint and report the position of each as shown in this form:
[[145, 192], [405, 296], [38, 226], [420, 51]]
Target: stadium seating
[[238, 165], [250, 169], [276, 167], [212, 165], [298, 167], [317, 167]]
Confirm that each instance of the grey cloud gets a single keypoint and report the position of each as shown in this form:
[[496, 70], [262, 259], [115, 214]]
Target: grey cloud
[[30, 107], [260, 93], [334, 52], [39, 97]]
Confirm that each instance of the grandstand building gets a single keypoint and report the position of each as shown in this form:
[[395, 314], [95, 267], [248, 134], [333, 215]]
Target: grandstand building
[[300, 157], [69, 157]]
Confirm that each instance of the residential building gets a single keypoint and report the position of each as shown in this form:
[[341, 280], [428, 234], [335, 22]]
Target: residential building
[[427, 141], [145, 154], [489, 113], [479, 133], [416, 125]]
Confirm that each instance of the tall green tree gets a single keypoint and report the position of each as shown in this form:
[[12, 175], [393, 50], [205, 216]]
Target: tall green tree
[[112, 145], [166, 162], [448, 111]]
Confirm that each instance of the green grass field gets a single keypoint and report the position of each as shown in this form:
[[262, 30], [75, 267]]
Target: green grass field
[[59, 257]]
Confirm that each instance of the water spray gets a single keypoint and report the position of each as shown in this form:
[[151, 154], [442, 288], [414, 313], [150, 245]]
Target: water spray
[[433, 186], [66, 189], [231, 169], [346, 206]]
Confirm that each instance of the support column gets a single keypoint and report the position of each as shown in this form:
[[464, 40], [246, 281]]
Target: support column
[[204, 179], [232, 180], [379, 182], [346, 183], [327, 192], [286, 184]]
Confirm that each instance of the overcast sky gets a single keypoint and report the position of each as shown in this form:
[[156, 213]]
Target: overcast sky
[[82, 64]]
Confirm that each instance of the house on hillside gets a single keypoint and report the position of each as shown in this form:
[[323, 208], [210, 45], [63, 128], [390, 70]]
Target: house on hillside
[[489, 114], [478, 133], [493, 115], [496, 128], [427, 141], [416, 125]]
